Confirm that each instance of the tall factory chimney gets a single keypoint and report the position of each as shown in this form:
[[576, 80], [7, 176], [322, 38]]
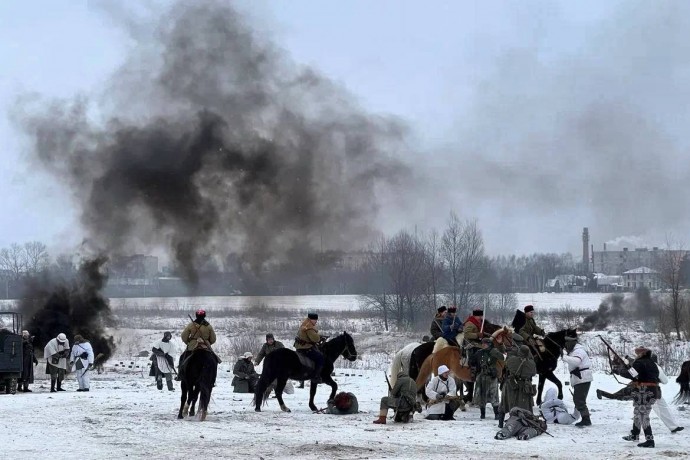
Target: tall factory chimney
[[585, 249]]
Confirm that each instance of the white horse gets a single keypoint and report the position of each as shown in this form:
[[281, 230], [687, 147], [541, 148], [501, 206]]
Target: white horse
[[401, 362]]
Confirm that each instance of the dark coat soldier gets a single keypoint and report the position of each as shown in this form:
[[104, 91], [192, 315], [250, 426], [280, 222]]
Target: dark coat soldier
[[486, 385], [530, 329], [401, 398], [28, 362], [269, 346], [645, 389], [245, 374], [436, 330], [518, 390]]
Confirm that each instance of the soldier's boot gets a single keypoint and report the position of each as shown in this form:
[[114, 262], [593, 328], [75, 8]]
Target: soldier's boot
[[59, 386], [605, 394], [585, 419], [649, 440], [382, 418], [301, 384], [482, 413], [159, 384], [170, 385], [26, 388], [52, 385], [495, 412], [634, 434], [501, 419]]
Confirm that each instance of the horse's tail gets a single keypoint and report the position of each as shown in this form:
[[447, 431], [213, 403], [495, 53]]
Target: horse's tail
[[396, 366], [424, 372], [683, 379]]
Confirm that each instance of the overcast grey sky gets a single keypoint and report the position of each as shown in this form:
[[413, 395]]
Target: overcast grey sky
[[537, 118]]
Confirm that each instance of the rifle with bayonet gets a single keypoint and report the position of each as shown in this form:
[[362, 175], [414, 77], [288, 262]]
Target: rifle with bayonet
[[617, 364]]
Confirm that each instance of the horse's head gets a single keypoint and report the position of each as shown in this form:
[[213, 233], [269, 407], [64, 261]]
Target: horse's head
[[503, 336], [558, 338], [349, 352]]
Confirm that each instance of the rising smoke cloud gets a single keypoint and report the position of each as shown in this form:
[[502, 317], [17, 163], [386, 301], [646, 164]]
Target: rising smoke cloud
[[210, 140], [595, 134]]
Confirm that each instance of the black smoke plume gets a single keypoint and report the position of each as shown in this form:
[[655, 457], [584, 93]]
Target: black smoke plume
[[211, 140], [76, 306], [610, 309]]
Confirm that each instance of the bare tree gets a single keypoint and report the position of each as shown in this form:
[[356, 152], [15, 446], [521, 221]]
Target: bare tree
[[13, 260], [36, 257], [669, 266], [378, 300], [433, 246], [471, 262], [406, 270], [451, 248]]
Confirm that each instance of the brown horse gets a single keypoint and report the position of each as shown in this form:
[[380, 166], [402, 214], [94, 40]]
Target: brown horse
[[450, 356]]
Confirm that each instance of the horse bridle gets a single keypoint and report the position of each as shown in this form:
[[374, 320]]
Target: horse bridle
[[347, 354]]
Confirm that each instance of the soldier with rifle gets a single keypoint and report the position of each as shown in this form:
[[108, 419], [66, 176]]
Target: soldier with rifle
[[198, 334], [401, 398]]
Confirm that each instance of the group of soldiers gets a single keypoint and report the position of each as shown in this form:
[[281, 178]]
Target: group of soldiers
[[514, 395], [60, 359]]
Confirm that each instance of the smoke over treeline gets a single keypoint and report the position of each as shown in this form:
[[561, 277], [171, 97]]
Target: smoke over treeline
[[617, 307], [209, 140], [54, 306]]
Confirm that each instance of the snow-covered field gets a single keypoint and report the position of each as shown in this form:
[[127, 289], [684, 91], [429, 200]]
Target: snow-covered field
[[124, 416], [320, 302]]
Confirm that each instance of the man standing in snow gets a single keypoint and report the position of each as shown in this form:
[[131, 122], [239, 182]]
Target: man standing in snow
[[645, 382], [269, 346], [56, 353], [81, 360], [580, 377], [486, 386], [163, 362], [518, 390], [28, 362]]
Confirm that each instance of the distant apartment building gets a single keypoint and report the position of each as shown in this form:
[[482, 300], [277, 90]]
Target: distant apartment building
[[641, 277], [618, 262]]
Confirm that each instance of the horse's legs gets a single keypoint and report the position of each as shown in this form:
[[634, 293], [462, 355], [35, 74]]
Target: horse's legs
[[280, 386], [194, 397], [334, 386], [312, 393], [540, 388], [183, 400], [552, 377], [470, 392]]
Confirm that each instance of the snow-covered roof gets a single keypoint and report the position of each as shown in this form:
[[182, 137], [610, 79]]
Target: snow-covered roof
[[640, 270]]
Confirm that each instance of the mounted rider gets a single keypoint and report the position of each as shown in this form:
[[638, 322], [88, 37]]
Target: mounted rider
[[307, 341], [198, 334], [436, 328], [532, 333], [452, 326]]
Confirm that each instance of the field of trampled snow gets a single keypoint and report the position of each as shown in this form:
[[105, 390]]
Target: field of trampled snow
[[124, 416]]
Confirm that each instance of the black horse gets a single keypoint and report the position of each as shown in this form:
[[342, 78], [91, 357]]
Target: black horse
[[683, 379], [547, 361], [199, 377], [284, 364]]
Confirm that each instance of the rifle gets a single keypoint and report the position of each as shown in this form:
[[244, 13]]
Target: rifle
[[390, 389], [609, 351], [536, 426], [431, 402], [481, 329]]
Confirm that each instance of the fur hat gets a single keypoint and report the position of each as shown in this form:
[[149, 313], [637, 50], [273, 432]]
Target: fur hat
[[477, 312], [342, 401], [524, 351], [529, 308], [247, 355], [441, 309], [453, 308], [313, 315], [201, 313], [61, 337], [442, 369], [642, 351], [78, 338], [270, 336]]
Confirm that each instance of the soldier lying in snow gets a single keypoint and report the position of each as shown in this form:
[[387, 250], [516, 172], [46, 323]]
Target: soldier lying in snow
[[522, 424]]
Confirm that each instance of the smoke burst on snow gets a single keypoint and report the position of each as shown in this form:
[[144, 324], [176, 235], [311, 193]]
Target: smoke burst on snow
[[610, 309], [51, 307], [210, 140], [619, 307]]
